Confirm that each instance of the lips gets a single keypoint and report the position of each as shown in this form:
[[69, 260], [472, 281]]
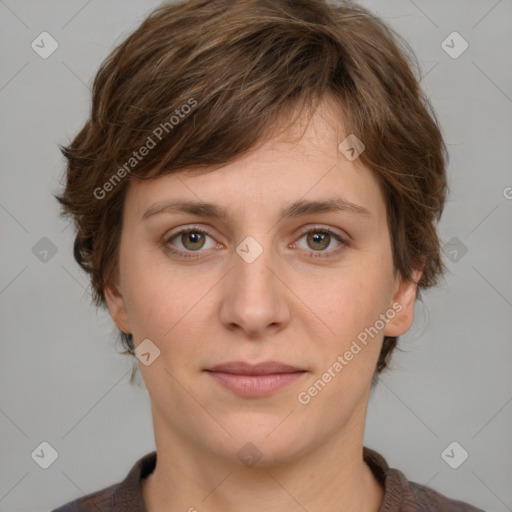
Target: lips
[[259, 380], [265, 368]]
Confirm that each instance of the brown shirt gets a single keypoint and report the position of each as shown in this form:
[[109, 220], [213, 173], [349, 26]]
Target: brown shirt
[[400, 495]]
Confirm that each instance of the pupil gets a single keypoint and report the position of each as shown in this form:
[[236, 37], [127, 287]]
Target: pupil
[[320, 237], [192, 238]]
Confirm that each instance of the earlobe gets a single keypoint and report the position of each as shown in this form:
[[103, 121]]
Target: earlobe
[[402, 304], [116, 307]]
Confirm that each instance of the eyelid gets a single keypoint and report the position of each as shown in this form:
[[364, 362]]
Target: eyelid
[[181, 229], [319, 227], [186, 229]]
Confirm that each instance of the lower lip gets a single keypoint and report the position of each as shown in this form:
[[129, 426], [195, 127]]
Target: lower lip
[[255, 385]]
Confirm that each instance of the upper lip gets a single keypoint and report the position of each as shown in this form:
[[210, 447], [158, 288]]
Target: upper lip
[[265, 368]]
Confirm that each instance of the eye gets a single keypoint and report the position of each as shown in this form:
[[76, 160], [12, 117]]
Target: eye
[[319, 239], [192, 240]]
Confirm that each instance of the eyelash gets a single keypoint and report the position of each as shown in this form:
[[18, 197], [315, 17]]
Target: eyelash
[[314, 254]]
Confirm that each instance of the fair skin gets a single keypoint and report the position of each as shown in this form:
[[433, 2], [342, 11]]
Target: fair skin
[[284, 306]]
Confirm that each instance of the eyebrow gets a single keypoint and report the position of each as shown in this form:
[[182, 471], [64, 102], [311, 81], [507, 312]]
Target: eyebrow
[[296, 209]]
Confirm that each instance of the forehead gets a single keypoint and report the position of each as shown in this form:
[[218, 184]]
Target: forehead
[[303, 163]]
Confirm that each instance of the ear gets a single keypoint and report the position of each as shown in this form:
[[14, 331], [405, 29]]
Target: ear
[[117, 308], [404, 297]]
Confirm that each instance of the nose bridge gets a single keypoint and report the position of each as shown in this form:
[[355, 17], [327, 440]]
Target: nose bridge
[[253, 297], [252, 276]]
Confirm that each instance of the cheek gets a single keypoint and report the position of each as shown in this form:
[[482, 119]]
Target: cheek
[[148, 297], [162, 303], [351, 356], [351, 307]]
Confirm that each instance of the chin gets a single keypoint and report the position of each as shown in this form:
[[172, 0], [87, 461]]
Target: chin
[[261, 445]]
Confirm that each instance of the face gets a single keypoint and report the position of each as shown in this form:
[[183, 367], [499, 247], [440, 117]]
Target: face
[[265, 281]]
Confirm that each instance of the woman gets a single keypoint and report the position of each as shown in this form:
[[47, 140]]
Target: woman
[[255, 196]]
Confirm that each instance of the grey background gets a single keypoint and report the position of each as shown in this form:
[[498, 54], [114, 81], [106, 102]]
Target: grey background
[[61, 379]]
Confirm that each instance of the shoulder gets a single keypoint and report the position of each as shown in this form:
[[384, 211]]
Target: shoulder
[[120, 497], [402, 495], [424, 499], [97, 501]]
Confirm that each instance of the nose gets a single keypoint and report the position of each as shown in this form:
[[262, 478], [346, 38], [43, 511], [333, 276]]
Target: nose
[[255, 300]]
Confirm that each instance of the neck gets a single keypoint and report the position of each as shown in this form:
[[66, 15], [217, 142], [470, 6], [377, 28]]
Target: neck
[[331, 477]]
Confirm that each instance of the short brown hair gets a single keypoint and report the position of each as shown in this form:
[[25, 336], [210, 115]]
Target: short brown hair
[[242, 65]]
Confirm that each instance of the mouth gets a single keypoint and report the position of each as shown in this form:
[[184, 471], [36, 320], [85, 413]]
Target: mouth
[[258, 380]]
